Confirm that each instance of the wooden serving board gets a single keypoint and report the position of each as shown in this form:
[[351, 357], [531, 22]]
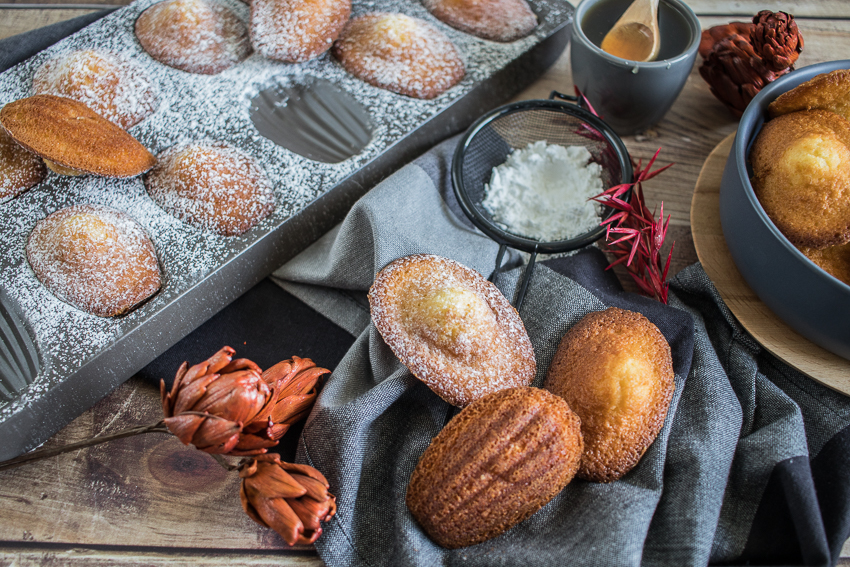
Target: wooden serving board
[[770, 331]]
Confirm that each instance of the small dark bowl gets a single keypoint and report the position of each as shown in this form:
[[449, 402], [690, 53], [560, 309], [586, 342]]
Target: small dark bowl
[[808, 299]]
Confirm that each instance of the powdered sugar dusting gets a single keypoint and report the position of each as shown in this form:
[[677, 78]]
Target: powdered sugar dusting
[[106, 82], [19, 168], [499, 20], [294, 31], [399, 53], [453, 329], [94, 258], [543, 191], [215, 108], [197, 36]]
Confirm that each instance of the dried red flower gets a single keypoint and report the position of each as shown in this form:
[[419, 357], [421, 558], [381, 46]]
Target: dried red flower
[[642, 237], [296, 382], [291, 499], [210, 402], [232, 407]]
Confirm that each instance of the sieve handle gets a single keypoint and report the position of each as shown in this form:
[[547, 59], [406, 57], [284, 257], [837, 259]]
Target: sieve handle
[[556, 94], [499, 257], [526, 277]]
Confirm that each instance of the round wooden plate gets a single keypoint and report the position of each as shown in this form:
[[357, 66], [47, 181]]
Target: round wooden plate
[[773, 334]]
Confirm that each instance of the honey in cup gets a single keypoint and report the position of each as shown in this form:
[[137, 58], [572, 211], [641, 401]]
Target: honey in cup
[[674, 31], [631, 96]]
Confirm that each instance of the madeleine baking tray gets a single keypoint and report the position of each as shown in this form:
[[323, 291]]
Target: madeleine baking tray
[[56, 361]]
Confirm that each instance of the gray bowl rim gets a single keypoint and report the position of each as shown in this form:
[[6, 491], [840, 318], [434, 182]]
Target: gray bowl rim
[[748, 128], [690, 51]]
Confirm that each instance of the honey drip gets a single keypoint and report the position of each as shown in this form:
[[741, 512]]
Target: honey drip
[[632, 41]]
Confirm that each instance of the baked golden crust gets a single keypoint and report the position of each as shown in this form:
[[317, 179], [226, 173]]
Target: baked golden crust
[[496, 20], [801, 176], [196, 36], [615, 370], [404, 55], [453, 329], [20, 169], [834, 260], [70, 134], [828, 91], [95, 258], [293, 31], [496, 463], [106, 82], [211, 186]]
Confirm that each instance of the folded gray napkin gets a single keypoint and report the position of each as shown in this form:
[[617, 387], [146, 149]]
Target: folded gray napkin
[[751, 465]]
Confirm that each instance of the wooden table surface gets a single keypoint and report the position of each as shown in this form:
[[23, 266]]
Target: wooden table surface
[[149, 500]]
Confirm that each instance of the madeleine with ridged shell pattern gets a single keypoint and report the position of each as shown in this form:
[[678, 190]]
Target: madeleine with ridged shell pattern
[[615, 370], [453, 329], [73, 139], [496, 463]]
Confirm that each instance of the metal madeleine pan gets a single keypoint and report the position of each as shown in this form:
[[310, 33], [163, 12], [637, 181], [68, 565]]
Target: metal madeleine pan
[[65, 359]]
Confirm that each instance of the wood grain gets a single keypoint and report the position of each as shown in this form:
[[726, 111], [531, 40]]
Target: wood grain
[[770, 331]]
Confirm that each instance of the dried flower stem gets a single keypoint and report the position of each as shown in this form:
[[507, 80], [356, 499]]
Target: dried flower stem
[[642, 236], [225, 464], [38, 454]]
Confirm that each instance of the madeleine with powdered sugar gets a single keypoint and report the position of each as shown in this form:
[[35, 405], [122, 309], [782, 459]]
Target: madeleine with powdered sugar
[[496, 20], [399, 53], [196, 36], [452, 328], [95, 258], [212, 186], [293, 31], [106, 82]]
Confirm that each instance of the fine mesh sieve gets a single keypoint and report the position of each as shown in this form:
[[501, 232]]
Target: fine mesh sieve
[[489, 141]]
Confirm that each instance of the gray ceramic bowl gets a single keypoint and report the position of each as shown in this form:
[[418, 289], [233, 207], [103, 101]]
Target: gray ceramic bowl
[[809, 300]]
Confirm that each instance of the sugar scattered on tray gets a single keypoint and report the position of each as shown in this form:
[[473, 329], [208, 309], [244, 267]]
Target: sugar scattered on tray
[[543, 192]]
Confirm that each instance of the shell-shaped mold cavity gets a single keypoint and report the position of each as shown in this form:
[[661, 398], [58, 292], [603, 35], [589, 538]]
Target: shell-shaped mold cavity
[[313, 118], [19, 360]]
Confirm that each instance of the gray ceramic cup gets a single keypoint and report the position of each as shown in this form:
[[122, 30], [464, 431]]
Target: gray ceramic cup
[[629, 95]]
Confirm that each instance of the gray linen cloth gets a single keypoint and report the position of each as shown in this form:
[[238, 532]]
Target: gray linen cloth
[[693, 499]]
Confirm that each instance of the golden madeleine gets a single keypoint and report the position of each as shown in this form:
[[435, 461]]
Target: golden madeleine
[[106, 82], [615, 370], [95, 258], [212, 186], [496, 20], [399, 53], [196, 36], [20, 169], [498, 461], [835, 260], [801, 176], [72, 138], [828, 91], [452, 328], [293, 31]]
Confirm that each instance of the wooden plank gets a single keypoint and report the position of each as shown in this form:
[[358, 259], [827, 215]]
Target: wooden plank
[[74, 557], [837, 9], [15, 21], [144, 491]]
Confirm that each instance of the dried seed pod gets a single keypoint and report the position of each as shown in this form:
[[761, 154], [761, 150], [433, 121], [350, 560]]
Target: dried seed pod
[[776, 39], [496, 463], [736, 73]]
